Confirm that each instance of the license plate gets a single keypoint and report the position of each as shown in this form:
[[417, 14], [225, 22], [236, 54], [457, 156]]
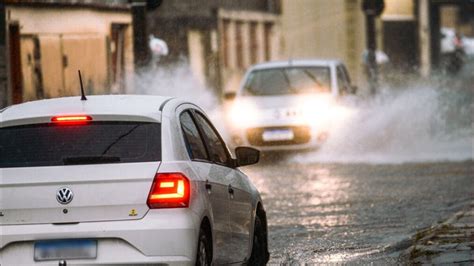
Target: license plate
[[65, 249], [278, 135]]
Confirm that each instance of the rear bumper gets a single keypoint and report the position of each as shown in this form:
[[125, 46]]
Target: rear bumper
[[167, 236]]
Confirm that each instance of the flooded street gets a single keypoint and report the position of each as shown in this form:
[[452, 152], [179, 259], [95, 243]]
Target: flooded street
[[320, 213]]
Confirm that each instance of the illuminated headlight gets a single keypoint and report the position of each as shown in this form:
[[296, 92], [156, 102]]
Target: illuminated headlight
[[242, 114], [315, 112], [322, 113]]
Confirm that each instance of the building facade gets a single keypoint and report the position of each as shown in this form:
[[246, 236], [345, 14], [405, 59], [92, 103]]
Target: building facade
[[49, 41], [408, 33], [219, 39], [325, 29], [412, 31]]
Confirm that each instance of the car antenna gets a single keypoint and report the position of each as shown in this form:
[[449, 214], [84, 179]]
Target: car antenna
[[83, 95]]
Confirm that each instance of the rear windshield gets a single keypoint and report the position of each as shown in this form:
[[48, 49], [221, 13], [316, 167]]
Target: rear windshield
[[91, 143], [291, 80]]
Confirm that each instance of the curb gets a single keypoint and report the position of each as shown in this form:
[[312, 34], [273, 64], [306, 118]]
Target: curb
[[451, 241]]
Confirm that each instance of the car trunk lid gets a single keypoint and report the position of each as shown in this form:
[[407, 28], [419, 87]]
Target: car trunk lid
[[102, 192]]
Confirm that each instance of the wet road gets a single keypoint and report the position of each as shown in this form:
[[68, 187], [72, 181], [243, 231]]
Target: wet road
[[355, 212]]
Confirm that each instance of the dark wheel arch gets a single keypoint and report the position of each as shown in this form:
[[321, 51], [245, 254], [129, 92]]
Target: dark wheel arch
[[205, 229], [260, 254]]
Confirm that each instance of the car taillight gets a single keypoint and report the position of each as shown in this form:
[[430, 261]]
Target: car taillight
[[169, 190], [71, 119]]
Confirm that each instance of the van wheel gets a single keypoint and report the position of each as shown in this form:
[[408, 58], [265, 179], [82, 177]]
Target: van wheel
[[204, 253], [259, 248]]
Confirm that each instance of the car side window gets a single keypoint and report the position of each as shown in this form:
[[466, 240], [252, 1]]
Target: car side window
[[216, 147], [192, 138]]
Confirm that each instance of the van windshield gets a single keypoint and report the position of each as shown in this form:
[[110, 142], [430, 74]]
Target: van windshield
[[92, 143], [294, 80]]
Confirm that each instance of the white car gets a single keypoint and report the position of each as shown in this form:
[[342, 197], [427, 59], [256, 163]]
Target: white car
[[124, 180], [287, 105]]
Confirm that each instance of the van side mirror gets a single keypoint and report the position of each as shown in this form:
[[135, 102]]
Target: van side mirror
[[230, 95], [246, 156]]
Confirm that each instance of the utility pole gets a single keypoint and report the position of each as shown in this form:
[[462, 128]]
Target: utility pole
[[372, 9], [140, 37], [141, 50]]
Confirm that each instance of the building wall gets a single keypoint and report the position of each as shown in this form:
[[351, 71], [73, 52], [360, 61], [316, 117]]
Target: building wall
[[208, 8], [197, 55], [245, 38], [194, 31], [56, 43], [398, 8], [325, 29]]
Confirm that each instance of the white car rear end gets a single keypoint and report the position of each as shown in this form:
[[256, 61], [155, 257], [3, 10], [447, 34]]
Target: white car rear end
[[109, 181]]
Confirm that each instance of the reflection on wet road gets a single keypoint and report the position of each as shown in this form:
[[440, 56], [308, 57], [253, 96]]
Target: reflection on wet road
[[355, 212]]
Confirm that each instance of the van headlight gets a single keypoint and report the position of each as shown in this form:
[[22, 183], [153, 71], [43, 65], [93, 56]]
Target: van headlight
[[242, 114], [324, 113], [314, 112]]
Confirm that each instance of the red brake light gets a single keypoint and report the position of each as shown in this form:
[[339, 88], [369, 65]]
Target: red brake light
[[71, 119], [169, 190]]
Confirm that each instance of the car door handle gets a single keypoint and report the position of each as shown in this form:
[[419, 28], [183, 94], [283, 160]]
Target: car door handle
[[231, 190], [208, 185]]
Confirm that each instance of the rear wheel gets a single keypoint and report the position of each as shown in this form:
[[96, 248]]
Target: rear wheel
[[259, 248], [204, 251]]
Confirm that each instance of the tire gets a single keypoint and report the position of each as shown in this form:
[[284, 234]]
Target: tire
[[204, 250], [260, 254]]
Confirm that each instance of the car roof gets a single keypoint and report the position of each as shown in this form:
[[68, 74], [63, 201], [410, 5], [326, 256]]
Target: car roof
[[146, 106], [296, 62]]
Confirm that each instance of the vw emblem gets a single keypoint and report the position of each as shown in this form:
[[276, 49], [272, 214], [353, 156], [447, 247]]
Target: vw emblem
[[64, 195]]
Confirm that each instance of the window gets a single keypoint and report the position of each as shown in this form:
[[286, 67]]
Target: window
[[192, 138], [216, 147], [290, 80], [95, 142]]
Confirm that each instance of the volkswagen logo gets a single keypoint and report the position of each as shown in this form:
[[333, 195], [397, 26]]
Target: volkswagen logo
[[64, 195]]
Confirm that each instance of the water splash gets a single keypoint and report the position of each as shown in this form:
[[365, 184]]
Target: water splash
[[418, 124], [177, 80]]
